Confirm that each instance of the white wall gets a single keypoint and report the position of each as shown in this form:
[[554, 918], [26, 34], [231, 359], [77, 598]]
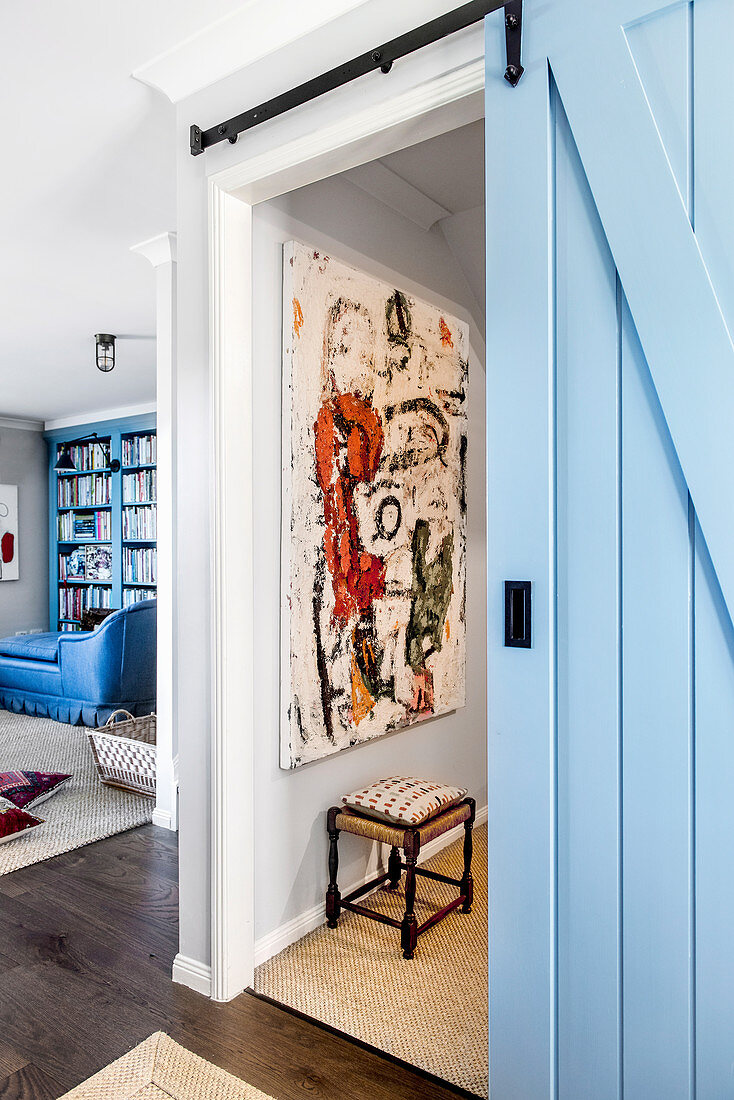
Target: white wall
[[290, 806], [24, 462], [275, 73]]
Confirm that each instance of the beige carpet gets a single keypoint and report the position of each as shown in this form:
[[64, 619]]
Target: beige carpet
[[83, 812], [160, 1068], [432, 1011]]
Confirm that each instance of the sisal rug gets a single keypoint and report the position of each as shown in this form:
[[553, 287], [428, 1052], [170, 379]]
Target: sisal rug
[[160, 1069], [431, 1011], [82, 812]]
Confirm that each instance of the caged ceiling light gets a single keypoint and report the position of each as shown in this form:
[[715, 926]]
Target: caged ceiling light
[[105, 352]]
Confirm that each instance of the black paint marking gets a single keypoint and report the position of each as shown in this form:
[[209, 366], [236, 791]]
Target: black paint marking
[[320, 656], [384, 532], [462, 474], [399, 321], [298, 718], [404, 460]]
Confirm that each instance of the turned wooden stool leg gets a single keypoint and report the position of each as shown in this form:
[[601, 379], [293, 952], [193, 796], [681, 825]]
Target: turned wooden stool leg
[[467, 882], [333, 897], [394, 869], [409, 927]]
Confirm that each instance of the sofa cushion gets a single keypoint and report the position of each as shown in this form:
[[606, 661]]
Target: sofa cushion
[[42, 677], [31, 647], [402, 801]]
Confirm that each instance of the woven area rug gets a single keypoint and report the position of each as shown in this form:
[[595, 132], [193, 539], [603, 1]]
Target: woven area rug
[[160, 1068], [83, 812], [432, 1011]]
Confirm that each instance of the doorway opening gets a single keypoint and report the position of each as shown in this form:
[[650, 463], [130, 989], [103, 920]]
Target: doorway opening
[[414, 223], [79, 645]]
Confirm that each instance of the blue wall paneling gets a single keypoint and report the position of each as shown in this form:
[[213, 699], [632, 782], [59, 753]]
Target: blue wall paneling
[[610, 172]]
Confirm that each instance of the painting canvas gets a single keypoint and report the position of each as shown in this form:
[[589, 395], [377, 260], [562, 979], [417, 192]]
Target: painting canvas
[[99, 563], [76, 564], [374, 508], [9, 570]]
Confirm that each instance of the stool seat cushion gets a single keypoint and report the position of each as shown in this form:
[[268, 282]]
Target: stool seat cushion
[[404, 802], [350, 822]]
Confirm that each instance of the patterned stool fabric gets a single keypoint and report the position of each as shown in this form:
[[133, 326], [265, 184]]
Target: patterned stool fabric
[[410, 840]]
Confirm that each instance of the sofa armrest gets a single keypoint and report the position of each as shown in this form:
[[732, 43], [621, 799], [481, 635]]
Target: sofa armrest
[[91, 664]]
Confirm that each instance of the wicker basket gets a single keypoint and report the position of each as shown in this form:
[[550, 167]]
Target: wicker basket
[[125, 754]]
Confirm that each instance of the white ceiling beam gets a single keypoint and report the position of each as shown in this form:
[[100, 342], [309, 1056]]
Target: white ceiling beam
[[379, 181]]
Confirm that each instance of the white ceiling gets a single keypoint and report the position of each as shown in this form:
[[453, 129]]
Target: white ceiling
[[88, 171], [439, 185], [448, 169]]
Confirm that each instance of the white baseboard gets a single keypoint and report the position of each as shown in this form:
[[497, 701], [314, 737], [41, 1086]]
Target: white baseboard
[[193, 974], [166, 816], [301, 925], [164, 820]]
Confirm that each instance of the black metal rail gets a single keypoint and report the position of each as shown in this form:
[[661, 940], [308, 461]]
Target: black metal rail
[[381, 57]]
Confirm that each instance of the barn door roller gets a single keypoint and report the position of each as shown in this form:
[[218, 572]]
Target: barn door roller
[[382, 58], [513, 38]]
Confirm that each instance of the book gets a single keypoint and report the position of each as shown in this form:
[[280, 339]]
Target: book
[[84, 525]]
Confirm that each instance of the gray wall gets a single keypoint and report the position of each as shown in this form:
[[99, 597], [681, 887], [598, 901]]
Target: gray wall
[[301, 60], [24, 462], [290, 850]]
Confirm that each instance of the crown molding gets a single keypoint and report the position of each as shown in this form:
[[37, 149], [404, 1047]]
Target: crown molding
[[158, 250], [22, 425], [94, 417], [259, 28]]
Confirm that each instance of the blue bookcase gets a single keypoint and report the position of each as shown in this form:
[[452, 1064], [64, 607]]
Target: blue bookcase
[[102, 523]]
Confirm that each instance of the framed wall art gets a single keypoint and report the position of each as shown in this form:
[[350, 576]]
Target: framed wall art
[[9, 569]]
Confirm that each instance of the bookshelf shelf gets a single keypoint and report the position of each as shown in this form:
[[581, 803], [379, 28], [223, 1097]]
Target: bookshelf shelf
[[76, 583], [92, 508], [84, 507], [86, 473]]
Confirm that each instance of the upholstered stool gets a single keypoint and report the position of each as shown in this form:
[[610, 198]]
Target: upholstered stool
[[410, 840]]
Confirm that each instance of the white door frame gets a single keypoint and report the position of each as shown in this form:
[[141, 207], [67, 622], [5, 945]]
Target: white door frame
[[160, 252], [447, 100]]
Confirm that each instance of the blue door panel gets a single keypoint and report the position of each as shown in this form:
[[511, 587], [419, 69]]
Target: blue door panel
[[610, 324], [714, 783], [713, 112], [587, 434], [521, 682], [656, 744], [658, 1011]]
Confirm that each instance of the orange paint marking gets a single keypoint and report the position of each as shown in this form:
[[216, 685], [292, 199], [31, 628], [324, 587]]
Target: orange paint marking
[[446, 338], [297, 317], [362, 701], [448, 630]]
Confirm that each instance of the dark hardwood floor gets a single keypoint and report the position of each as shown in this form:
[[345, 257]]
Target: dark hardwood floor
[[86, 946]]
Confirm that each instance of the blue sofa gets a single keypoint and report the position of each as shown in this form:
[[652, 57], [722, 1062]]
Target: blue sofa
[[82, 678]]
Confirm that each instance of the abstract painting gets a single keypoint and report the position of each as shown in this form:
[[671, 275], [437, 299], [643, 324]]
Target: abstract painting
[[374, 508], [9, 533]]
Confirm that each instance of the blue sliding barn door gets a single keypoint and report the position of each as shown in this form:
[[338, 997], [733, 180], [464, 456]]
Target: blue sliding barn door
[[610, 275]]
